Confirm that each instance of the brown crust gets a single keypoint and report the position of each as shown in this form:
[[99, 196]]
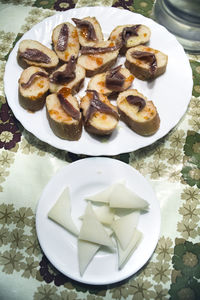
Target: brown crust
[[71, 132], [101, 69], [142, 73], [143, 128], [91, 129], [30, 104]]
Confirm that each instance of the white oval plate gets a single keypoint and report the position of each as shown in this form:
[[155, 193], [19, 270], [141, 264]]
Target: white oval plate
[[170, 92], [85, 177]]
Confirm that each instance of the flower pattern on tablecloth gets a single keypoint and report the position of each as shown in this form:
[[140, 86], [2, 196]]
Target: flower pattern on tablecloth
[[174, 158]]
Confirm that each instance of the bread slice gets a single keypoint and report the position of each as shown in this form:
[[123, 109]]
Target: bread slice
[[101, 84], [36, 54], [96, 120], [97, 62], [62, 123], [139, 114], [144, 67], [84, 27], [74, 84], [65, 41], [33, 88], [130, 35]]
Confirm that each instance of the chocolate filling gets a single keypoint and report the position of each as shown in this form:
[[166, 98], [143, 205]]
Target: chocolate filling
[[99, 50], [91, 34], [63, 38], [35, 55], [25, 85], [68, 107], [114, 79], [97, 105], [136, 100], [149, 57], [127, 32], [67, 75]]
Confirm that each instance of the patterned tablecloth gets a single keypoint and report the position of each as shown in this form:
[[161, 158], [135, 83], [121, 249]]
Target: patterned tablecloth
[[172, 165]]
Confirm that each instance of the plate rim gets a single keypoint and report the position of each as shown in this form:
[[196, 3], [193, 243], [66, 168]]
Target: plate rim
[[75, 164], [109, 150]]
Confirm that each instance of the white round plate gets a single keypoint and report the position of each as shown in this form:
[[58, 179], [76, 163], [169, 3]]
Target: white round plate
[[171, 92], [85, 177]]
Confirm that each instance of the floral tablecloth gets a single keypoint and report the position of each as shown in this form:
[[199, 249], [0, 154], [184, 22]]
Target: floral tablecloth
[[172, 166]]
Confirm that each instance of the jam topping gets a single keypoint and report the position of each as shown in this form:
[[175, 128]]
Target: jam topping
[[97, 105], [148, 57], [114, 79], [98, 50], [136, 100], [67, 75], [63, 38], [26, 85], [91, 34], [67, 106], [35, 55]]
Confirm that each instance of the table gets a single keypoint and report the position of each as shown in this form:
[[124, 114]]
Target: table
[[172, 166]]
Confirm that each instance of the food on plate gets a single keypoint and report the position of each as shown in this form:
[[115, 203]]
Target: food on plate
[[99, 115], [61, 212], [92, 230], [86, 251], [33, 88], [117, 79], [146, 63], [98, 58], [80, 51], [130, 35], [124, 227], [65, 41], [70, 75], [36, 54], [123, 197], [138, 113], [89, 31], [125, 254], [64, 115]]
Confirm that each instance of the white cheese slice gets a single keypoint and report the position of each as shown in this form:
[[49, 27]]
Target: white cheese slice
[[104, 214], [92, 230], [124, 255], [123, 197], [104, 195], [86, 251], [61, 212], [124, 228]]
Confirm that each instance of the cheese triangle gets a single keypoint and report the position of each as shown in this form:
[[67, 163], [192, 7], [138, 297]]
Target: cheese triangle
[[61, 212], [86, 251], [124, 255], [104, 195], [92, 230], [123, 197], [124, 228]]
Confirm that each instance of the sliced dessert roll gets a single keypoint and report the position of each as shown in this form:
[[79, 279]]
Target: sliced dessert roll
[[100, 116], [117, 79], [65, 41], [130, 35], [33, 88], [35, 54], [64, 115], [70, 75], [89, 31], [146, 63], [137, 112], [99, 58]]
